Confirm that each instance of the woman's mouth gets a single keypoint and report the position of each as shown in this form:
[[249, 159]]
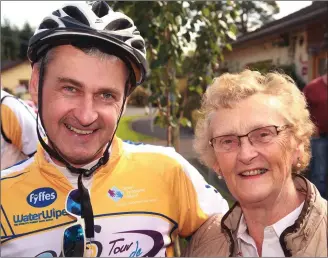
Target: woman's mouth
[[253, 172]]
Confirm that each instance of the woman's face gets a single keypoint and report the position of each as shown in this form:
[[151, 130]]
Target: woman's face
[[254, 173]]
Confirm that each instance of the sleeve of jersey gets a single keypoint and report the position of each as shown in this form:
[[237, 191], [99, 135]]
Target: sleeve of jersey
[[197, 199], [21, 125]]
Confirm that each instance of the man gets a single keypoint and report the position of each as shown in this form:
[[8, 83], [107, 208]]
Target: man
[[316, 93], [18, 130], [85, 192]]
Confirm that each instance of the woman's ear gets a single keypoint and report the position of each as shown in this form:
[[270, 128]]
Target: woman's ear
[[216, 167], [298, 153], [34, 83]]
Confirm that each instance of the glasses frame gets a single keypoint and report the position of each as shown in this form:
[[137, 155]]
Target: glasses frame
[[278, 129], [79, 221]]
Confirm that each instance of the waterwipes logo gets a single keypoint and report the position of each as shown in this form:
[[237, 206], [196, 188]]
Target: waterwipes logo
[[115, 194], [42, 197]]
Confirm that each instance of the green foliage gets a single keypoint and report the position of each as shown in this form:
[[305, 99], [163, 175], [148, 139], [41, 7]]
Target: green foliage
[[14, 42], [169, 27], [267, 66], [254, 14], [139, 97]]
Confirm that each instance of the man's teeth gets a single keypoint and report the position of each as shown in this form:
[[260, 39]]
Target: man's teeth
[[254, 172], [75, 130]]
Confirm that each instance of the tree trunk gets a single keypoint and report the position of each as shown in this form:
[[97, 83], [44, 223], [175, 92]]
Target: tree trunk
[[176, 138], [168, 114]]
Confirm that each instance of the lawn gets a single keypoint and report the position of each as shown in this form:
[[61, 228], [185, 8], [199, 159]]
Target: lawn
[[125, 132]]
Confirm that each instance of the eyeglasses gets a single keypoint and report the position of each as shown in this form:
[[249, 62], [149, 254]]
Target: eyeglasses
[[257, 137], [74, 241]]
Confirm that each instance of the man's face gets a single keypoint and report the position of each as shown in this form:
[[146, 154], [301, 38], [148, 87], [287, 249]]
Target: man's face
[[82, 99]]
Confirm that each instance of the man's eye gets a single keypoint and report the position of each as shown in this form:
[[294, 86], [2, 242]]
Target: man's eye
[[69, 89], [106, 95]]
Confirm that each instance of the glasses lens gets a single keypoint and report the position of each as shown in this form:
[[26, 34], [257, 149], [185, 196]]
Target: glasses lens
[[73, 203], [263, 135], [74, 241], [227, 143]]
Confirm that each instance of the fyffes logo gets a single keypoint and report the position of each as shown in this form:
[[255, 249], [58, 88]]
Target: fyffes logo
[[42, 197]]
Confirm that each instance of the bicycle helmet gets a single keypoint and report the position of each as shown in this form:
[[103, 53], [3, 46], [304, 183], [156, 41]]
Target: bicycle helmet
[[97, 25]]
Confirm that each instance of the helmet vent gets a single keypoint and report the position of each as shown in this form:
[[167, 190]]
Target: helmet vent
[[76, 14], [101, 8], [119, 24], [138, 44], [48, 24], [56, 13]]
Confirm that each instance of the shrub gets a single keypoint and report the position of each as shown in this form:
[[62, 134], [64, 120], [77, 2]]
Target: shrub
[[139, 97]]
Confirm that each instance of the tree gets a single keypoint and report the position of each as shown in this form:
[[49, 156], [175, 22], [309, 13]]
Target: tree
[[14, 42], [9, 42], [168, 27], [24, 36], [254, 14]]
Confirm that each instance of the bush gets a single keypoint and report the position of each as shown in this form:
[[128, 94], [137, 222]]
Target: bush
[[192, 103], [139, 97], [194, 118]]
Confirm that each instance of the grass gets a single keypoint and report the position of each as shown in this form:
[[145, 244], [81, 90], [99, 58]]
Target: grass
[[125, 132]]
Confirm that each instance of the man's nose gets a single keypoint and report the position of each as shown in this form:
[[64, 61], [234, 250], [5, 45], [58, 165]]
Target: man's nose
[[86, 112]]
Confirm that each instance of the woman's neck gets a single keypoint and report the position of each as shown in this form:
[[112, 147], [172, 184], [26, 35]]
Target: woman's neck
[[269, 212]]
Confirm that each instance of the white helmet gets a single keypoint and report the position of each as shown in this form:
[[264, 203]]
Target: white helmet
[[79, 24]]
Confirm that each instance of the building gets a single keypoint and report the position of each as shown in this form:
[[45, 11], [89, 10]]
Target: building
[[15, 75], [294, 42]]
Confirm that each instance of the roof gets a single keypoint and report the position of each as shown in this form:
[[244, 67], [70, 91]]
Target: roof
[[318, 9], [7, 64]]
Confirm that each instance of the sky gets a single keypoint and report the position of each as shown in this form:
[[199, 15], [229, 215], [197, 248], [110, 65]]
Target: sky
[[34, 11]]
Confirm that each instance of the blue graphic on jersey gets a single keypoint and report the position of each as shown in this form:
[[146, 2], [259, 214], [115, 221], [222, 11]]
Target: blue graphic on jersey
[[115, 194]]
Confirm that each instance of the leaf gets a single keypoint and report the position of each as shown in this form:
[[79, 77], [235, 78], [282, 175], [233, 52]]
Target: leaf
[[223, 24], [231, 35], [199, 90], [229, 47], [206, 12], [185, 122]]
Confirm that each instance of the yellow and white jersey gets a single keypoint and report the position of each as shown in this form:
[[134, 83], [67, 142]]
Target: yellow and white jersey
[[142, 198], [18, 122]]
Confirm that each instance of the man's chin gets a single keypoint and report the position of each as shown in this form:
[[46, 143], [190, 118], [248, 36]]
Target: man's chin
[[80, 160]]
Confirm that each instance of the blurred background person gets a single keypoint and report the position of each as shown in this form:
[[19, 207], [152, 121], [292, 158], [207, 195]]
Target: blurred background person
[[316, 93], [18, 130]]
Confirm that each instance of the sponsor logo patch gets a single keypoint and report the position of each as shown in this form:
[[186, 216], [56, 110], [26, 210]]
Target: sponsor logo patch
[[115, 194], [41, 197]]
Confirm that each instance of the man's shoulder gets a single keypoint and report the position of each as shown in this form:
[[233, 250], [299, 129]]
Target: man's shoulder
[[16, 172], [162, 153]]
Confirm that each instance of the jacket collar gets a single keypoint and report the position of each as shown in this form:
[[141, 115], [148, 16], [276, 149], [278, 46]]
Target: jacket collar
[[291, 238]]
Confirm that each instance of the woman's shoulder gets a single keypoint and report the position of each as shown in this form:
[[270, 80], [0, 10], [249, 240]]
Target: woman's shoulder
[[209, 239]]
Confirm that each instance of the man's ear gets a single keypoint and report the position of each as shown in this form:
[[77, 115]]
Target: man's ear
[[34, 83]]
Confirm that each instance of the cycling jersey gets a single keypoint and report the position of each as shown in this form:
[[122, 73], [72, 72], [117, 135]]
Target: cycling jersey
[[142, 198], [18, 130]]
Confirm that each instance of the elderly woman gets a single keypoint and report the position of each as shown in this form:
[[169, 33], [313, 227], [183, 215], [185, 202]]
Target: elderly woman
[[255, 133]]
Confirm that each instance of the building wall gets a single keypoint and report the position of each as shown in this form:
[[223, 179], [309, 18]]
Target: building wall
[[266, 50], [10, 78], [301, 57], [250, 53]]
